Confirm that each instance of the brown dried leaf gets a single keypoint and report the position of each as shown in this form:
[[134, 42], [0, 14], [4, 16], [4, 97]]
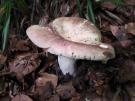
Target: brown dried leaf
[[66, 91], [124, 43], [119, 32], [22, 45], [130, 28], [21, 97], [55, 98], [104, 25], [45, 77], [45, 91], [24, 64], [91, 96], [16, 44], [129, 2], [114, 29], [2, 58], [109, 5], [76, 97]]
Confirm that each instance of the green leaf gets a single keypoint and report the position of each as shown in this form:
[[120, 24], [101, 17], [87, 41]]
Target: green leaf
[[5, 33], [116, 2], [5, 8], [79, 7], [90, 11]]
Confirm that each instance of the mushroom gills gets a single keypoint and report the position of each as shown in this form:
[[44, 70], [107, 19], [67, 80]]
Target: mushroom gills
[[67, 65]]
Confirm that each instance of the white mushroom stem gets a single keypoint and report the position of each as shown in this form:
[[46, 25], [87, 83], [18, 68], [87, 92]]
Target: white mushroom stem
[[67, 65]]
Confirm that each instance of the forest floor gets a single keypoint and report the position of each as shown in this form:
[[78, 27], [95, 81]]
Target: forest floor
[[28, 73]]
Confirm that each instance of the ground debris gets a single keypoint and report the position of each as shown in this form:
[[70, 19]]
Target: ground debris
[[29, 73], [21, 97], [66, 91], [24, 64], [44, 78]]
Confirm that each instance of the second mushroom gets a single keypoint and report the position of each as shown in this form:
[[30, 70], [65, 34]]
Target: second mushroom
[[71, 38]]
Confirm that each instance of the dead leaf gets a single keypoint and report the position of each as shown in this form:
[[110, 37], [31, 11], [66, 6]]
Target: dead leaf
[[22, 45], [109, 5], [119, 44], [130, 28], [55, 98], [104, 24], [129, 2], [24, 64], [2, 58], [66, 91], [121, 35], [91, 96], [16, 44], [119, 32], [45, 91], [21, 97], [44, 78], [76, 97], [126, 43], [99, 90]]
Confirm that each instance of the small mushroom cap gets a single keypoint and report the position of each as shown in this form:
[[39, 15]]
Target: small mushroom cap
[[76, 29], [44, 37]]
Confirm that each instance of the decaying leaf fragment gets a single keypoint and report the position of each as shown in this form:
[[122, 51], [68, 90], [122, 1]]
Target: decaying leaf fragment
[[121, 35], [2, 58], [45, 77], [21, 97], [130, 28], [16, 44], [66, 91], [24, 64]]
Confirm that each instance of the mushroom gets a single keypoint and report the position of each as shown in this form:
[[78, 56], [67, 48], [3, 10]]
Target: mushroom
[[71, 38]]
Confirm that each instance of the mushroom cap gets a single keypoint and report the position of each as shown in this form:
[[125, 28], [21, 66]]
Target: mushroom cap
[[45, 37], [77, 30]]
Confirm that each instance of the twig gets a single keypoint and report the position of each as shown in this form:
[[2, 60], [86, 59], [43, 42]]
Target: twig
[[5, 73]]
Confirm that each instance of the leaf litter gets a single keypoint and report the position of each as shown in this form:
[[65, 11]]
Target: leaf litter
[[34, 75]]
